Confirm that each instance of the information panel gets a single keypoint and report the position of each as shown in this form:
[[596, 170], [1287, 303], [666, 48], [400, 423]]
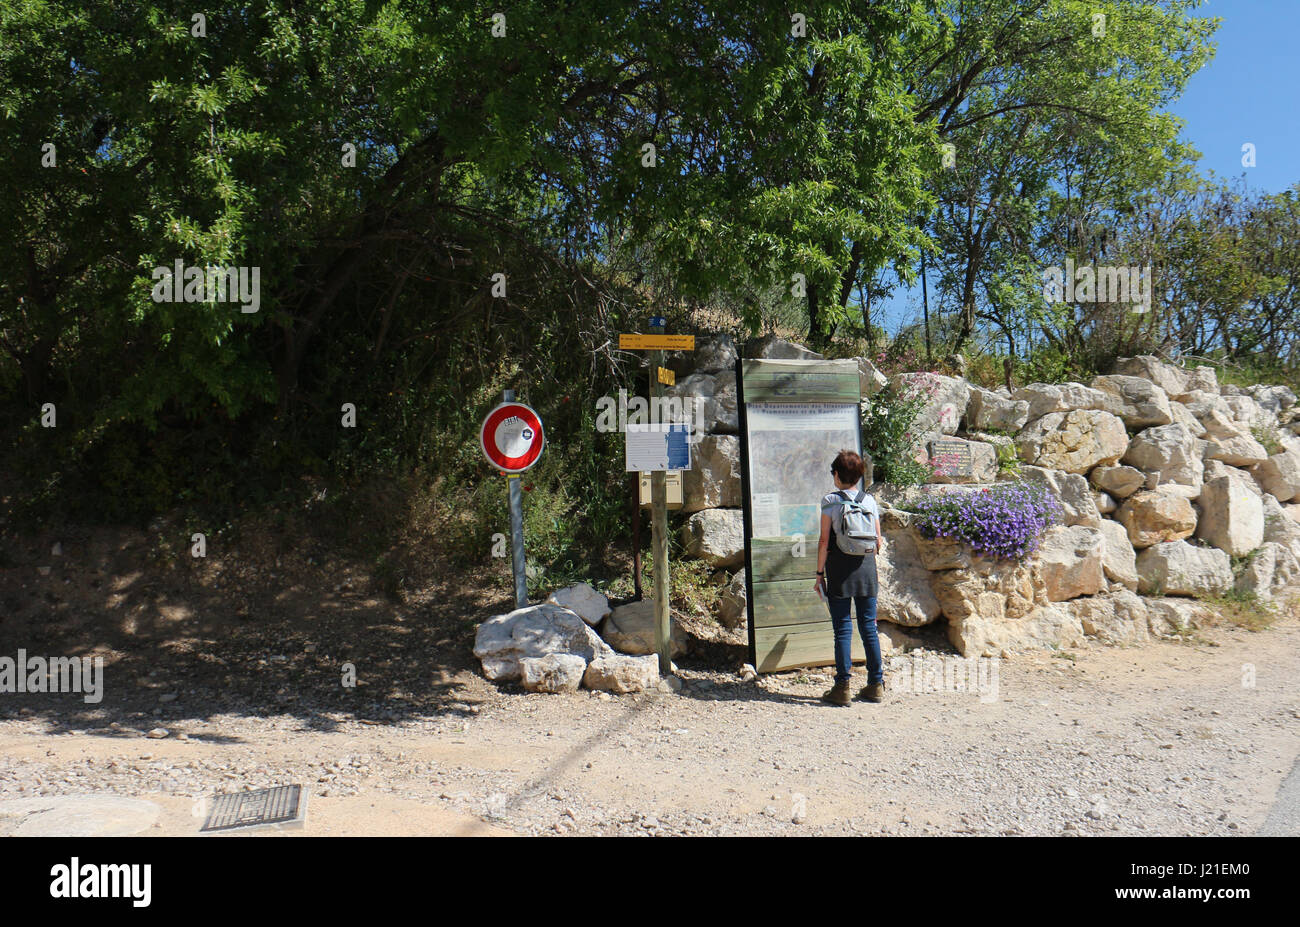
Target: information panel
[[796, 416]]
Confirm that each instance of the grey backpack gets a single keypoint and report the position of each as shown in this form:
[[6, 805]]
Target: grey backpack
[[855, 534]]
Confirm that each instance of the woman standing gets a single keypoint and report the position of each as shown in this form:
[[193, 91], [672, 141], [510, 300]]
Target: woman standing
[[846, 579]]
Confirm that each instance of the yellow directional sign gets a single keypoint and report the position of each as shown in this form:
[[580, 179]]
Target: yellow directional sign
[[667, 377], [656, 342]]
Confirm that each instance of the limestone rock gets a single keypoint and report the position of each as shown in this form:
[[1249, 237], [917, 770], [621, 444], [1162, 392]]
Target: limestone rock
[[1120, 482], [1078, 507], [770, 347], [715, 394], [1203, 378], [1073, 441], [871, 380], [714, 478], [619, 673], [555, 672], [905, 596], [1116, 618], [716, 536], [1272, 570], [1047, 627], [584, 601], [714, 353], [1231, 517], [1167, 617], [1179, 568], [1118, 558], [1153, 516], [1214, 414], [631, 629], [732, 607], [1279, 476], [988, 410], [532, 632], [1172, 380], [1183, 416], [939, 553], [1273, 398], [996, 589], [1278, 528], [1070, 559], [946, 400], [1142, 403], [1242, 478], [1235, 450], [1046, 398], [1169, 453]]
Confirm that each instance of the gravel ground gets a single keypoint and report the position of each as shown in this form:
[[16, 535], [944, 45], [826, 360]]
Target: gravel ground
[[1162, 739]]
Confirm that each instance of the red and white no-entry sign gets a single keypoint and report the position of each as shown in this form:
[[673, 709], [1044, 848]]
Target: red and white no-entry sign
[[512, 437]]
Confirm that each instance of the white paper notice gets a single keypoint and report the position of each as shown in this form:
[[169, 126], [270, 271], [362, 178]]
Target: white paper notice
[[766, 513]]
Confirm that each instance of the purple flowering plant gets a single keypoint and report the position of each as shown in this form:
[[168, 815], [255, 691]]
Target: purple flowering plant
[[1005, 521]]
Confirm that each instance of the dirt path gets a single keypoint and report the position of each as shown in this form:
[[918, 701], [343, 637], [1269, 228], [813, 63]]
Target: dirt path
[[1163, 739]]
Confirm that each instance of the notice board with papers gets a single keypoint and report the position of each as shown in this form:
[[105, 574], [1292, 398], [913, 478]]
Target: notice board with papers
[[795, 416]]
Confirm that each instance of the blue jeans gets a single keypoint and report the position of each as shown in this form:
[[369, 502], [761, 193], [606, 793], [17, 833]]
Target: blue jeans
[[842, 623]]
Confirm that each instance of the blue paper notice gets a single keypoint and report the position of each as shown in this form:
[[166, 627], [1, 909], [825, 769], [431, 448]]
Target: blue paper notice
[[679, 448]]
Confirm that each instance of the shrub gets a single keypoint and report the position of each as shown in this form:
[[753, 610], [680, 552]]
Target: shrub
[[889, 433], [1005, 521]]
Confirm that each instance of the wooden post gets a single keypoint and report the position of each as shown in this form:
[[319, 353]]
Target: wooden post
[[659, 539]]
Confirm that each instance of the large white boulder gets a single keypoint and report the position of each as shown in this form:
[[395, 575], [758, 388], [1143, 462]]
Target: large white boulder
[[1179, 568], [555, 672], [1071, 562], [1120, 482], [1230, 517], [1273, 569], [1073, 441], [1171, 380], [621, 673], [716, 536], [772, 347], [584, 601], [1168, 453], [1078, 506], [904, 596], [631, 629], [1117, 618], [1118, 557], [1156, 515], [1142, 403], [871, 380], [989, 634], [532, 632], [1046, 398], [945, 401], [990, 411], [714, 478], [1279, 476]]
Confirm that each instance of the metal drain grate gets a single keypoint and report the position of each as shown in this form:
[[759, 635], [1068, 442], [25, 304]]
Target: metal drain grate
[[281, 806]]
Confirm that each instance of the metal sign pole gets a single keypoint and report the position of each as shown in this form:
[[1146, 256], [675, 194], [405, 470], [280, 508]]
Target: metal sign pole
[[517, 529]]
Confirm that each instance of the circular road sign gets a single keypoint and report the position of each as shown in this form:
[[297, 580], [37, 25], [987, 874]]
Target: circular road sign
[[512, 437]]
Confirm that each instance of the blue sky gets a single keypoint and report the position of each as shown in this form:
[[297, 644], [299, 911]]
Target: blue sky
[[1249, 92]]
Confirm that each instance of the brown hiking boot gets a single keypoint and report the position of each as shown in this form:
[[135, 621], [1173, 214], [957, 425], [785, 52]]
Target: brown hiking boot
[[838, 694], [875, 692]]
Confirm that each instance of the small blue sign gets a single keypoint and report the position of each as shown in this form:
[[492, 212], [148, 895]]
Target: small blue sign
[[679, 448], [658, 321]]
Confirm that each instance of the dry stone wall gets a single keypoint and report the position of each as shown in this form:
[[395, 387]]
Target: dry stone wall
[[1161, 474]]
